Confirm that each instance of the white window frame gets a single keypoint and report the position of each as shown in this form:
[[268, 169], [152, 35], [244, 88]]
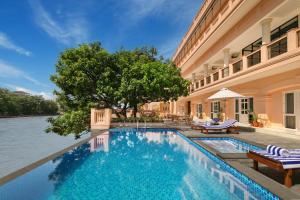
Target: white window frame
[[296, 109]]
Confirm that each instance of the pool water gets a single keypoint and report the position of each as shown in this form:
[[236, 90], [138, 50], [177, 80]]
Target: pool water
[[229, 145], [135, 164]]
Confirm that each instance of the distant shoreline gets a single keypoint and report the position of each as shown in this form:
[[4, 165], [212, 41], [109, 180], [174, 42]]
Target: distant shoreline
[[19, 116]]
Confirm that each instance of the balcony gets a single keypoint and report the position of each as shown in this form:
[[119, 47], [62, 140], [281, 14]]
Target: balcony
[[277, 47], [225, 72], [237, 66], [255, 60], [207, 20]]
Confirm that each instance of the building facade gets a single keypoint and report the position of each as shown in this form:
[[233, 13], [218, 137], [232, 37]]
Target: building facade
[[251, 47]]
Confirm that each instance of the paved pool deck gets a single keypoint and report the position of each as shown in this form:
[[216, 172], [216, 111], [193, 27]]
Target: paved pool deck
[[262, 139]]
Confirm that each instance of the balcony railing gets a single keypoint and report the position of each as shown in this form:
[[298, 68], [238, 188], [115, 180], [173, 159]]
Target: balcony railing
[[254, 58], [203, 26], [225, 72], [208, 80], [277, 47], [287, 43], [237, 66], [216, 76], [197, 85], [202, 83]]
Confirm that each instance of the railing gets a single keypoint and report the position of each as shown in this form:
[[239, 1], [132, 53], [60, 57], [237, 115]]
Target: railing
[[216, 76], [277, 47], [100, 119], [99, 116], [203, 25], [287, 43], [197, 85], [254, 58], [202, 83], [208, 80], [225, 72], [237, 66]]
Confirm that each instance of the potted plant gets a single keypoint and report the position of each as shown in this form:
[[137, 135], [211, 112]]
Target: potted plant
[[254, 120]]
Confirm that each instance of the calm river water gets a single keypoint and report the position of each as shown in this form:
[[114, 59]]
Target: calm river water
[[23, 141]]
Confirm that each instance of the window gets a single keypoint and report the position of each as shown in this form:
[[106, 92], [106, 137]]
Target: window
[[284, 28], [252, 47], [278, 48], [199, 110], [289, 103], [290, 117], [238, 66], [254, 59], [215, 109]]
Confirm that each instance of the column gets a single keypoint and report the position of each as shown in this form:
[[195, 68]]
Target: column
[[266, 30], [205, 69], [226, 53], [266, 38], [292, 40]]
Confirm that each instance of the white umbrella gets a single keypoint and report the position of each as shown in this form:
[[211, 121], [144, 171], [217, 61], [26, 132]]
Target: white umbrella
[[225, 93]]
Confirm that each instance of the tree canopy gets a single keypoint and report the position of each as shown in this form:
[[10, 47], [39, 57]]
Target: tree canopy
[[18, 104], [89, 76]]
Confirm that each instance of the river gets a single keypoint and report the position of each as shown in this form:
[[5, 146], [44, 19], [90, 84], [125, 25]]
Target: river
[[24, 141]]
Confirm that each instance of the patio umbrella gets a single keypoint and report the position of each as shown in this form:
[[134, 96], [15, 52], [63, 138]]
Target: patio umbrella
[[224, 94]]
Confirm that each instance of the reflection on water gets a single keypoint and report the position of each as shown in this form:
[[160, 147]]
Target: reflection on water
[[130, 164], [100, 142]]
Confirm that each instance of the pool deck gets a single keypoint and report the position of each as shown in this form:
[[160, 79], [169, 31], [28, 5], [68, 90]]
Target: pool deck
[[245, 165]]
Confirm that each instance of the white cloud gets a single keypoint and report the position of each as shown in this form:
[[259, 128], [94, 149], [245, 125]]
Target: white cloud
[[9, 71], [179, 11], [5, 42], [73, 29], [46, 95]]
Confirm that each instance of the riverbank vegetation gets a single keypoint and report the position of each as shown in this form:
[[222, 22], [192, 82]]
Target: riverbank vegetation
[[90, 76], [13, 104]]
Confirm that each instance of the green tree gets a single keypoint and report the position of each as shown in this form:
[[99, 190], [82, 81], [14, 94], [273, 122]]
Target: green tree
[[12, 104], [89, 76]]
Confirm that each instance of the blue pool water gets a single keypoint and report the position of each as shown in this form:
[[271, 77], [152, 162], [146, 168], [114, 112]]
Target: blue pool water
[[229, 145], [135, 164]]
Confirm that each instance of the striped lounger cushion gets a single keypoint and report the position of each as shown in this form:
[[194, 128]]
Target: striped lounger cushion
[[290, 161], [226, 124]]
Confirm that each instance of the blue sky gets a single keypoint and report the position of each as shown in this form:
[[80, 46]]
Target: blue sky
[[34, 32]]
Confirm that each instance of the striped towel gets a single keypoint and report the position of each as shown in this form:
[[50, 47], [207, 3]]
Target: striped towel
[[293, 161], [277, 151]]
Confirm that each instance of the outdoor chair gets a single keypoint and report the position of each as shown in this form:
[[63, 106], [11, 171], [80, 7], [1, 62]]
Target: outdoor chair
[[227, 125], [275, 160]]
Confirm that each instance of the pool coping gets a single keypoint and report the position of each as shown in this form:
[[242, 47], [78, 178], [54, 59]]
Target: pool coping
[[36, 164], [231, 159]]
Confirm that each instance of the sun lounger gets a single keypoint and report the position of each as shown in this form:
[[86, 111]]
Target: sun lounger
[[288, 164], [228, 126]]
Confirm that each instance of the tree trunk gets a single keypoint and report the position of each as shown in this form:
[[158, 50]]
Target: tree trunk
[[135, 108]]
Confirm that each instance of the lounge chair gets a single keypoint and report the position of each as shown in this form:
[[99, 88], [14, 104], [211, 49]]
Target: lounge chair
[[227, 125], [288, 164]]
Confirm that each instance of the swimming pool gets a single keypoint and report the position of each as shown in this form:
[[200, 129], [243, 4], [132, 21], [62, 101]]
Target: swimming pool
[[135, 164], [228, 145]]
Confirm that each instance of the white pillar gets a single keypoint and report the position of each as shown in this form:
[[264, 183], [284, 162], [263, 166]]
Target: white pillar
[[205, 69], [266, 30], [226, 57]]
